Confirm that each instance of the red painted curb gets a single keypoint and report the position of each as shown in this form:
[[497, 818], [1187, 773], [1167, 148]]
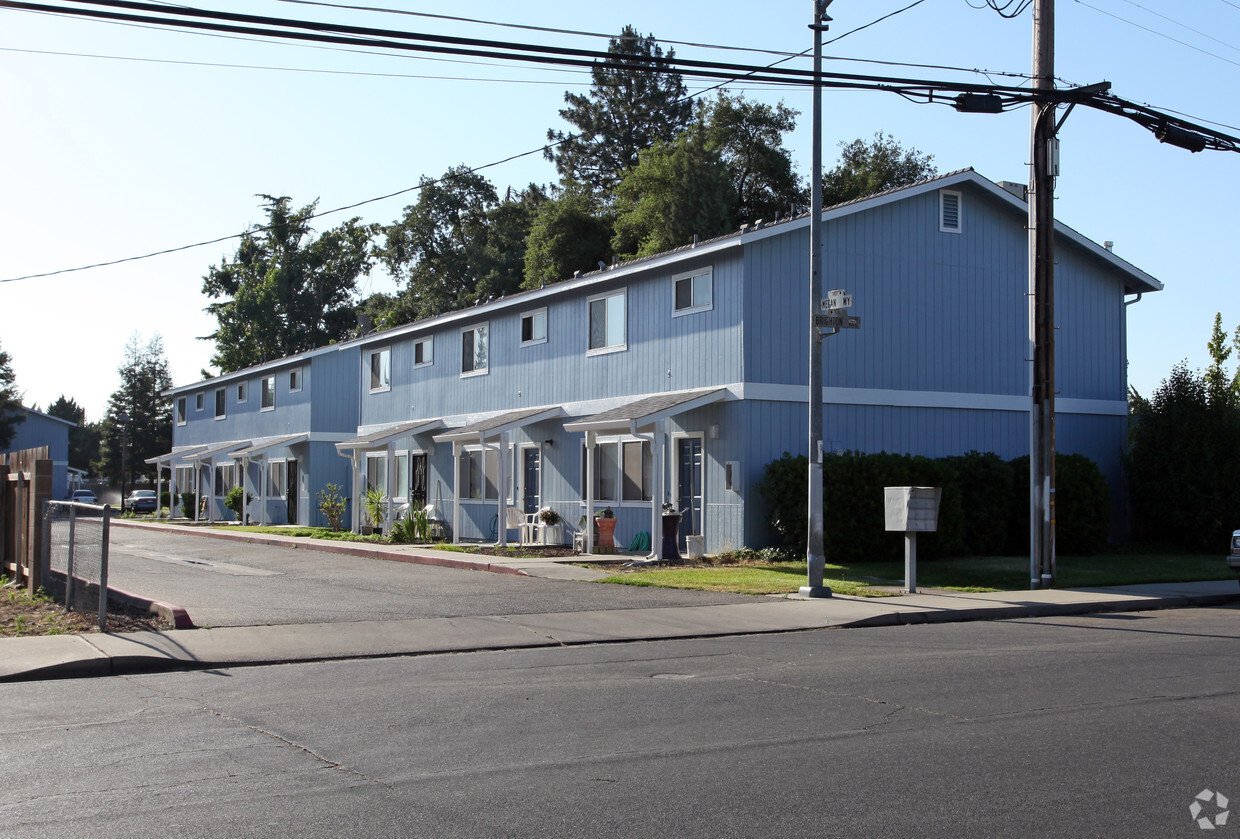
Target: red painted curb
[[177, 616], [345, 548]]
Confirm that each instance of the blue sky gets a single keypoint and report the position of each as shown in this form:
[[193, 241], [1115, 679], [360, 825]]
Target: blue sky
[[109, 157]]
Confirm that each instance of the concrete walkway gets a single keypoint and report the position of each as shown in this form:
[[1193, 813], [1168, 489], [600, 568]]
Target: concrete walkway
[[78, 656]]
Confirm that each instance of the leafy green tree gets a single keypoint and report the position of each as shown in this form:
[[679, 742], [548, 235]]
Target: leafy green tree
[[627, 109], [84, 439], [749, 136], [11, 414], [677, 190], [1184, 455], [144, 378], [1216, 377], [440, 247], [570, 233], [867, 168], [285, 290], [508, 230]]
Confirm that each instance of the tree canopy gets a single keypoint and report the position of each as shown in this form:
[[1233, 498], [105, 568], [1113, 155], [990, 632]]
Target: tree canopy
[[144, 377], [750, 139], [285, 290], [84, 439], [867, 168], [570, 233], [627, 109], [10, 402]]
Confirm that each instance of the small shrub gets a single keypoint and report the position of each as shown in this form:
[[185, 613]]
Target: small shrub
[[189, 503], [233, 501], [332, 505]]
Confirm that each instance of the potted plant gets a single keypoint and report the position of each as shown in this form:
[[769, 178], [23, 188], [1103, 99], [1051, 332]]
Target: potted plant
[[332, 505], [551, 531], [605, 520], [375, 504]]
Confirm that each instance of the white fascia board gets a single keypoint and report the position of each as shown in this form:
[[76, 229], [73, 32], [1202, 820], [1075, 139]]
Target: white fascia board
[[931, 399]]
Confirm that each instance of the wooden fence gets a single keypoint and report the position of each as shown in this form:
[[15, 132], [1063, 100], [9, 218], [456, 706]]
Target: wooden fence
[[25, 483]]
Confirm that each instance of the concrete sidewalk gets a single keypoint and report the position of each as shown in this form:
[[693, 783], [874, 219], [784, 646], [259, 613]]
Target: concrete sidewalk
[[80, 656]]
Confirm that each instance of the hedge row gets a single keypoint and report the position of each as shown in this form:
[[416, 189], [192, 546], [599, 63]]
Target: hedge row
[[984, 509]]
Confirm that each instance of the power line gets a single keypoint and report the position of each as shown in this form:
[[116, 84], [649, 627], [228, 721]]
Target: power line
[[1159, 34]]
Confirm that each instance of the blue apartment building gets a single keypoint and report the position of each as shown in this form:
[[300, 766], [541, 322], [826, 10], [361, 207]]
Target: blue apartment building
[[676, 378]]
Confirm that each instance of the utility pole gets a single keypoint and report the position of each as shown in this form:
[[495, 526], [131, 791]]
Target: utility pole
[[815, 556], [1043, 162]]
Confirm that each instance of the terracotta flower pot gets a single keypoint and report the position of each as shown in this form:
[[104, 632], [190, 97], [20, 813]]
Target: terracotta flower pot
[[606, 532]]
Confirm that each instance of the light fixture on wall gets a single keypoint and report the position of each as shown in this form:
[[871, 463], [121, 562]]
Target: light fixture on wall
[[548, 443]]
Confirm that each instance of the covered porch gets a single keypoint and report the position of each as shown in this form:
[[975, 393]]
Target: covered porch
[[260, 451], [382, 439]]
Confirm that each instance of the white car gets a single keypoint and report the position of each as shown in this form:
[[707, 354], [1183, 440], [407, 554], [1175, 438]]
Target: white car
[[84, 496], [1233, 556]]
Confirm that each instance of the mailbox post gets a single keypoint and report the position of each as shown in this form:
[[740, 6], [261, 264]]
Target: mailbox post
[[912, 510]]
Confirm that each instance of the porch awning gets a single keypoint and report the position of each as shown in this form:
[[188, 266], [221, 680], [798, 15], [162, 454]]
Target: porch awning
[[178, 453], [380, 437], [495, 427], [257, 447], [644, 413], [215, 448]]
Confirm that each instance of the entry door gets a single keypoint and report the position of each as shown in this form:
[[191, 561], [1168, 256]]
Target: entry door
[[290, 491], [531, 465], [417, 481], [689, 486]]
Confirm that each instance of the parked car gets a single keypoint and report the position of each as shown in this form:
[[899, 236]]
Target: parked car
[[141, 501], [1233, 558], [84, 496]]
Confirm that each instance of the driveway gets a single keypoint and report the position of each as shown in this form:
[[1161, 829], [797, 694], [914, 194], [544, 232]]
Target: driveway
[[229, 583]]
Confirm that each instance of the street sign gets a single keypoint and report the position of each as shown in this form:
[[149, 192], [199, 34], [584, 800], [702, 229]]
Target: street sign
[[837, 299], [837, 321]]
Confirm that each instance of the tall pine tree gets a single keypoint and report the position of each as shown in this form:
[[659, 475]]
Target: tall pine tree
[[148, 431], [11, 413]]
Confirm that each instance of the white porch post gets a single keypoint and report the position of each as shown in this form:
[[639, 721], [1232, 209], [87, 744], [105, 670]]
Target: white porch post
[[264, 476], [390, 467], [589, 534], [159, 486], [211, 497], [355, 520], [456, 492], [501, 489], [197, 490], [658, 459], [172, 489]]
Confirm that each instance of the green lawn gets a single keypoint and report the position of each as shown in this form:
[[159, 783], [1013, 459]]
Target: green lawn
[[972, 574]]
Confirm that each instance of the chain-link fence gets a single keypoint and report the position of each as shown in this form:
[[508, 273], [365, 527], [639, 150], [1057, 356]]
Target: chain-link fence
[[75, 537]]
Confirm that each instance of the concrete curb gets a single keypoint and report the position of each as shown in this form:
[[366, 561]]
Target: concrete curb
[[344, 548], [175, 615]]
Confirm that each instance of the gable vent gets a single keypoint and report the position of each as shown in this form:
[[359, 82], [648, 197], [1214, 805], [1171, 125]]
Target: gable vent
[[949, 211]]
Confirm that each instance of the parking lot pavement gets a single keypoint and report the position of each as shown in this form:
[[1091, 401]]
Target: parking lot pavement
[[234, 583]]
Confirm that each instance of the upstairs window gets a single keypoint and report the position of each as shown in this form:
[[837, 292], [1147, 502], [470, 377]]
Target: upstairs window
[[268, 389], [294, 380], [607, 323], [242, 392], [949, 211], [180, 410], [474, 350], [197, 401], [221, 403], [692, 293], [381, 370], [534, 327], [424, 352]]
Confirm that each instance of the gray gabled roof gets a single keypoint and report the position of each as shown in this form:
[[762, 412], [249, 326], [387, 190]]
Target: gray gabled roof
[[492, 428], [380, 437], [646, 412]]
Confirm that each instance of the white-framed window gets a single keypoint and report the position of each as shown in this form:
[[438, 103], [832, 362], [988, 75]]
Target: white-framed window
[[376, 471], [381, 370], [221, 402], [478, 471], [693, 292], [197, 401], [268, 391], [424, 352], [277, 477], [606, 322], [474, 351], [180, 410], [400, 483], [949, 211], [243, 392], [623, 471], [534, 327], [225, 479], [294, 380]]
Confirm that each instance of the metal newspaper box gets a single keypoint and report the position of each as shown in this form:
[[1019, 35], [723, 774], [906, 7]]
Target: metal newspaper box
[[911, 510]]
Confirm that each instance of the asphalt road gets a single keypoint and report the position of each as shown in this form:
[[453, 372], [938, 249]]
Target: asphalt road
[[229, 583], [1072, 727]]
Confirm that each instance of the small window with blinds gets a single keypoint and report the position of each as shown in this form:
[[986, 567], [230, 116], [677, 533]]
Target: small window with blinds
[[949, 211]]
